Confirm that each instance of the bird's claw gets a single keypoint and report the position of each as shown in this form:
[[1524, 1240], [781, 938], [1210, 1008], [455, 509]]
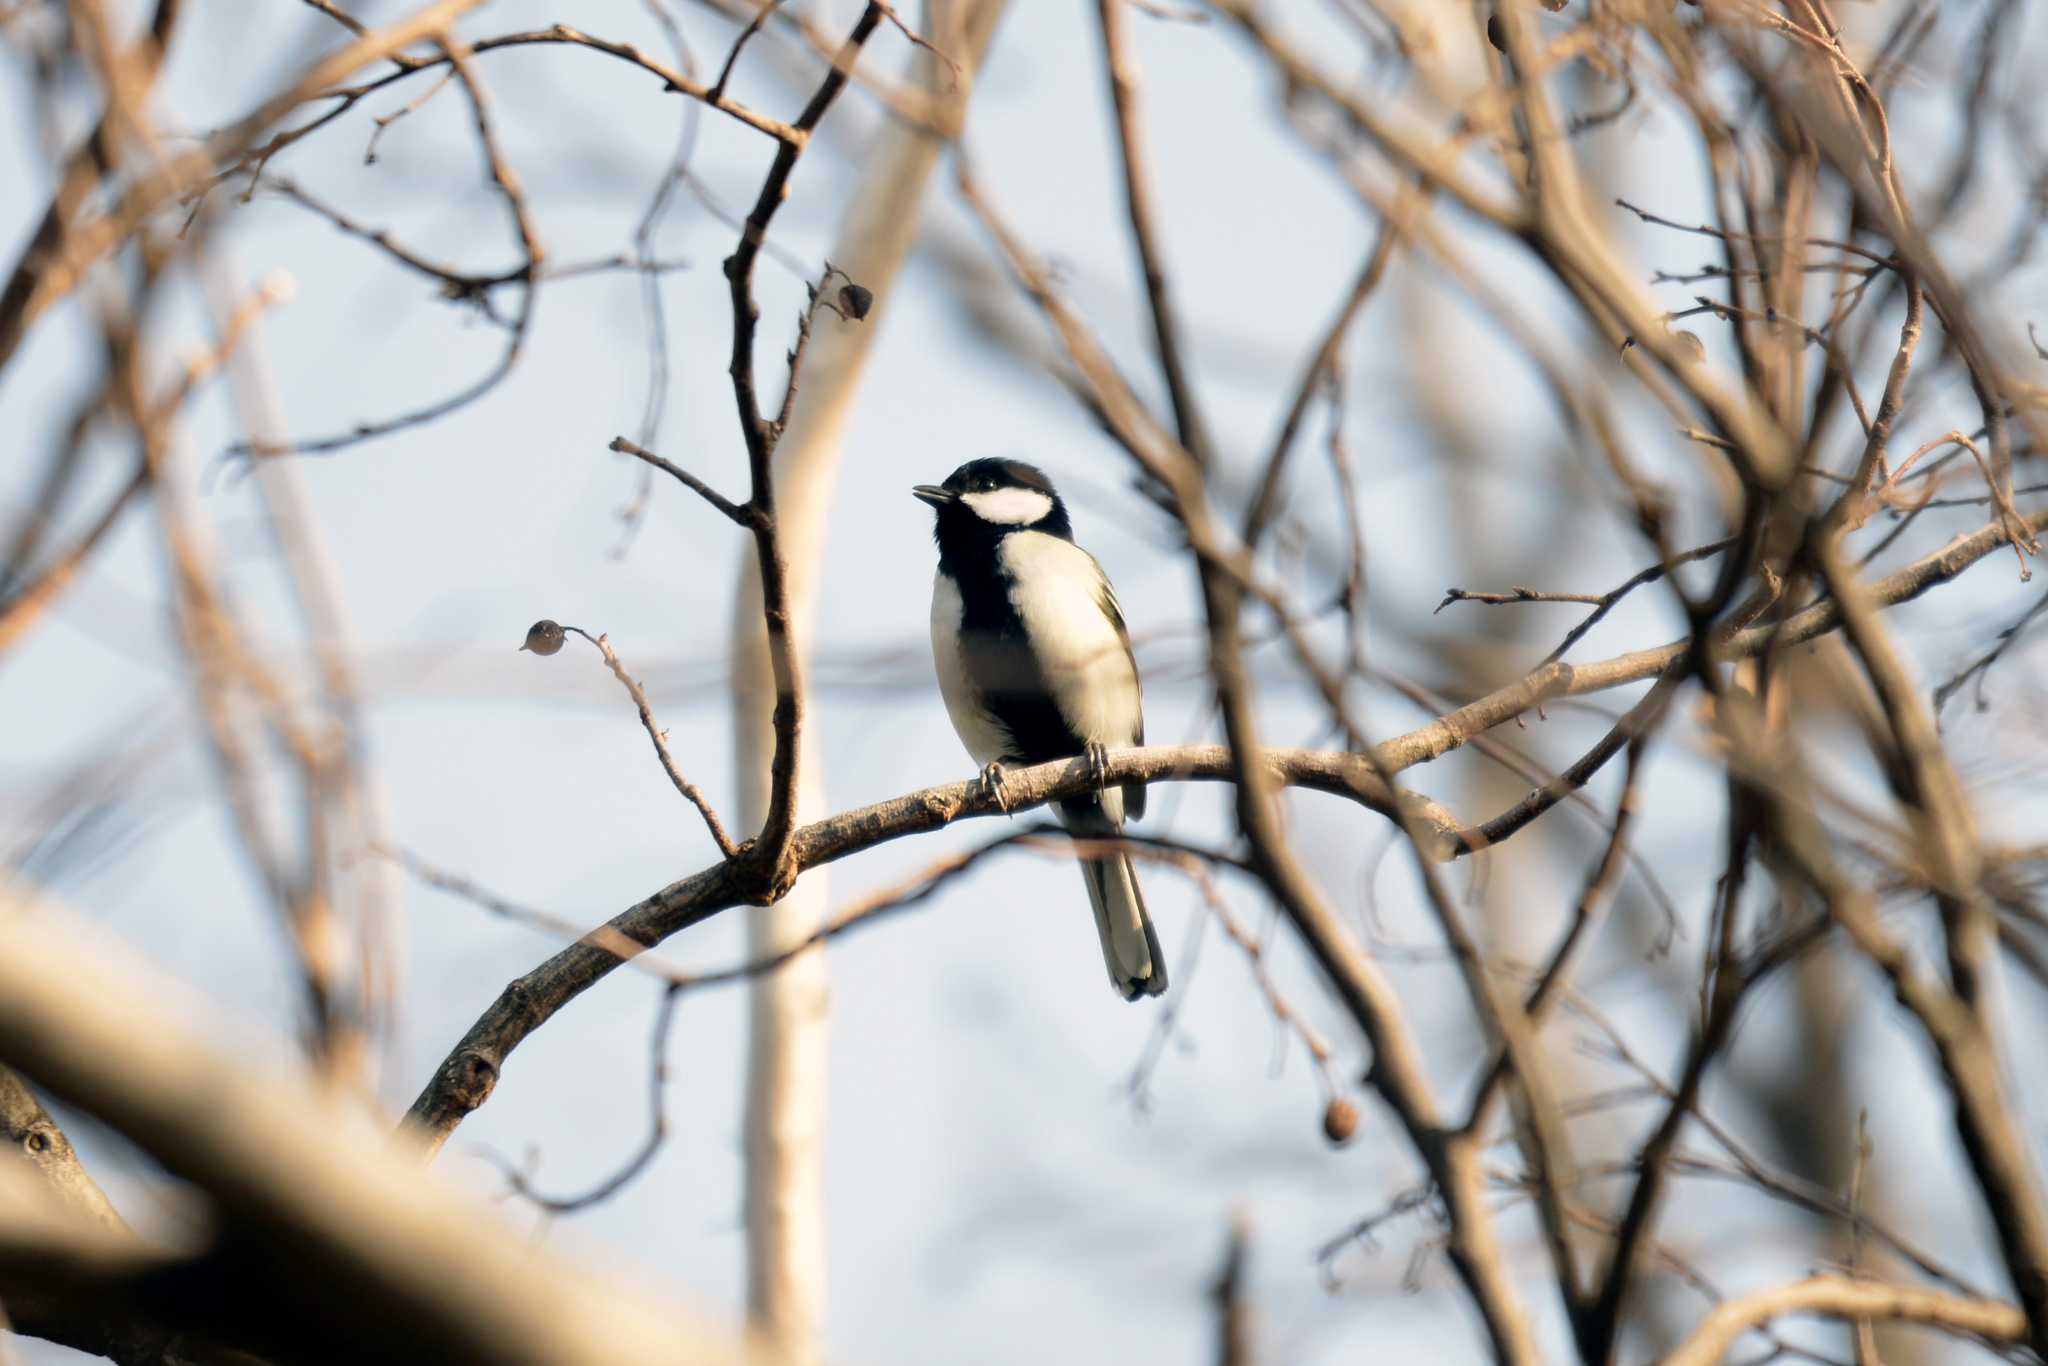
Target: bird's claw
[[1097, 755], [992, 783]]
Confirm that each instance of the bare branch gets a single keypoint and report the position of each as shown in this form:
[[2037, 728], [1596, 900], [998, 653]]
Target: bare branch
[[691, 793], [1166, 326], [466, 1077], [772, 846], [742, 515], [1840, 1297], [361, 1254]]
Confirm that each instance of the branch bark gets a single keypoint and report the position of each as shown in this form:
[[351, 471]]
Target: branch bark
[[467, 1076], [323, 1243]]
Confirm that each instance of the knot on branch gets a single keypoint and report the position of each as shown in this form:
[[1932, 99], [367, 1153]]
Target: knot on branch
[[471, 1079], [43, 1141], [759, 880]]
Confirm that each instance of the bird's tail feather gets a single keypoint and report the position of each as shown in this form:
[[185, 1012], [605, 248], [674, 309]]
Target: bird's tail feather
[[1130, 947]]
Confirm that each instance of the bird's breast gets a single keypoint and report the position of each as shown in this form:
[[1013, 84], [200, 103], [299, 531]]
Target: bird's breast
[[966, 697]]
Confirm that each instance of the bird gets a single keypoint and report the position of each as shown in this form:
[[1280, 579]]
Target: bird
[[1035, 664]]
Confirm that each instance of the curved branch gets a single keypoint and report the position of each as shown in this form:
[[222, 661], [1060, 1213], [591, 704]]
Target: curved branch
[[323, 1242], [466, 1078], [691, 793], [1841, 1298]]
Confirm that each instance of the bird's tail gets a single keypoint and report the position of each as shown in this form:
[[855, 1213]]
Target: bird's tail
[[1130, 947]]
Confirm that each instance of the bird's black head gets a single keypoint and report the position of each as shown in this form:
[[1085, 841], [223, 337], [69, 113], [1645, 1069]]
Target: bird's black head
[[985, 500]]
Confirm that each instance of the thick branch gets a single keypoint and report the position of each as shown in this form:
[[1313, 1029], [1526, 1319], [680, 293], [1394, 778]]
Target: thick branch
[[467, 1076], [26, 1128], [332, 1245]]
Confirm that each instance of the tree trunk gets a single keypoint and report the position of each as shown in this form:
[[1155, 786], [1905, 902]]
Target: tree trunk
[[786, 1072]]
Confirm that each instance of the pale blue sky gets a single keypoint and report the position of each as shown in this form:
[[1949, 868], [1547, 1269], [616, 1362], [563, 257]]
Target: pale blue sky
[[993, 1193]]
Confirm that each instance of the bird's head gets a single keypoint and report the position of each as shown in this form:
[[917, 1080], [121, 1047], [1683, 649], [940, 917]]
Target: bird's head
[[993, 497]]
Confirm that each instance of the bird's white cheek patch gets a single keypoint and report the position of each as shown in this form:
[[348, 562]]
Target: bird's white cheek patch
[[1009, 507]]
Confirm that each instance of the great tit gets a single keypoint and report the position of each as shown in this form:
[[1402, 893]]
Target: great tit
[[1035, 664]]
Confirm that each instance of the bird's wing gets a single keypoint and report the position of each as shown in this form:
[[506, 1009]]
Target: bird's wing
[[1134, 793], [1105, 598], [1077, 643]]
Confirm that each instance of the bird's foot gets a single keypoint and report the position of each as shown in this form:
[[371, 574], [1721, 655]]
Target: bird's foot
[[1097, 755], [992, 783]]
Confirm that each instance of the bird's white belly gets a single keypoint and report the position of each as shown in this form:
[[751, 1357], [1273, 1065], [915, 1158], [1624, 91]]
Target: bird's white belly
[[985, 740]]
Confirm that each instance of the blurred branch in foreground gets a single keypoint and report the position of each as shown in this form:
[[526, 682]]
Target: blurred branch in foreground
[[318, 1241]]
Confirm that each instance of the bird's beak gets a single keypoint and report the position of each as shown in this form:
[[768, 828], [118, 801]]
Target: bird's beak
[[933, 494]]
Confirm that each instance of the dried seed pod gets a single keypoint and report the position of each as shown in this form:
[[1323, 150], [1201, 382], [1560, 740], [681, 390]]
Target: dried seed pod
[[1340, 1120], [544, 637], [856, 300]]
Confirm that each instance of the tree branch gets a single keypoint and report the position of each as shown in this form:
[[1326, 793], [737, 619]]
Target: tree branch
[[324, 1244], [742, 514], [469, 1073], [1166, 328], [770, 850], [1841, 1298], [691, 793]]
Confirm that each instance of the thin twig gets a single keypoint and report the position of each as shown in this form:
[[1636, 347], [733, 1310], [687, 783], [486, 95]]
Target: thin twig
[[1167, 332], [741, 514], [509, 189], [1602, 603], [691, 792], [657, 1126], [732, 57]]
